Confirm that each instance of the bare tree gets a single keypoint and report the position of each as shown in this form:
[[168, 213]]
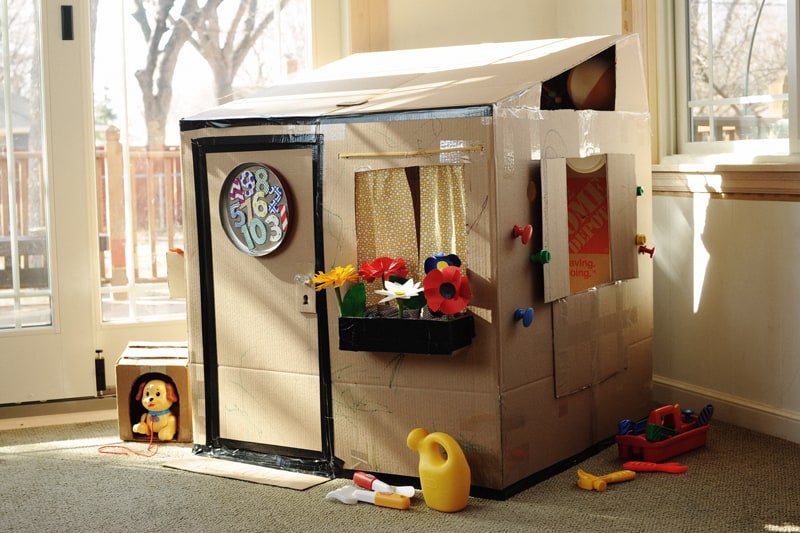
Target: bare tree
[[165, 35], [225, 51], [224, 44], [21, 48], [744, 50]]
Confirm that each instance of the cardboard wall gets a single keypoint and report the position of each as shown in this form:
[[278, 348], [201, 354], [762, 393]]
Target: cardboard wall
[[388, 394], [584, 362]]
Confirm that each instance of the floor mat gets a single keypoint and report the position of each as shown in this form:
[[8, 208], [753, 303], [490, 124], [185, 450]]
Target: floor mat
[[247, 472]]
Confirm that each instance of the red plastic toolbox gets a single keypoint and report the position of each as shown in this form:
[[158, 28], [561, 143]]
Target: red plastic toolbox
[[690, 436]]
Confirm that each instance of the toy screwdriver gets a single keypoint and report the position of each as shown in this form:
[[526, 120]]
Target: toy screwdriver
[[368, 481], [646, 466], [351, 494]]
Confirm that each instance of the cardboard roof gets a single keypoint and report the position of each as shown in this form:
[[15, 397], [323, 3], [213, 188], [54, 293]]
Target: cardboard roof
[[429, 79]]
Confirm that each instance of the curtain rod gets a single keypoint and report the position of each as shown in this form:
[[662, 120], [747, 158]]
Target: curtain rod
[[413, 153]]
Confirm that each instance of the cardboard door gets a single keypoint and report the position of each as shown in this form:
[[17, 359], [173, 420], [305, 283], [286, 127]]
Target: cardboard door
[[261, 327], [554, 228], [619, 204], [622, 210]]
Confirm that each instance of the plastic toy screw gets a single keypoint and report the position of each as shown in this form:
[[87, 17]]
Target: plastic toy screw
[[541, 257], [641, 239], [649, 251], [525, 315], [639, 190], [525, 233]]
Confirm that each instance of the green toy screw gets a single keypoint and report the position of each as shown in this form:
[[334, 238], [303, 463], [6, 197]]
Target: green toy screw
[[540, 257]]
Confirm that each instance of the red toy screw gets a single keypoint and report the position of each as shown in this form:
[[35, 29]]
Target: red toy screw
[[649, 251], [526, 233]]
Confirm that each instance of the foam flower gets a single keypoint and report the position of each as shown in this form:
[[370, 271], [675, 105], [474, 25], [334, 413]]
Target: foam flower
[[382, 268], [403, 291], [399, 292], [336, 278], [446, 290], [440, 260]]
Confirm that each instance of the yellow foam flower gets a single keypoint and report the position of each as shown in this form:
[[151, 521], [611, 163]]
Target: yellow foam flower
[[336, 277]]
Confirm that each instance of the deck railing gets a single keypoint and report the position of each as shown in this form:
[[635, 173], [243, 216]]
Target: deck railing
[[148, 199]]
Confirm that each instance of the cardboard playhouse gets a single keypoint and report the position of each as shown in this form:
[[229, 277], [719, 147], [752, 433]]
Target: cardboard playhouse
[[529, 161]]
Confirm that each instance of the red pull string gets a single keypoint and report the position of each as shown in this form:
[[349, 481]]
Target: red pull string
[[118, 449]]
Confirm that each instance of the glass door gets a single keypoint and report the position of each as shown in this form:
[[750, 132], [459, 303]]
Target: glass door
[[89, 209], [46, 316]]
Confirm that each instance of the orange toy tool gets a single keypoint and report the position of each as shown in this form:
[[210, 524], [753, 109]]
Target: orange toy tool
[[647, 466], [351, 494], [590, 482]]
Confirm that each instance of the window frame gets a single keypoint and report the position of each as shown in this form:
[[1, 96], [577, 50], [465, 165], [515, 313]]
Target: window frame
[[674, 146]]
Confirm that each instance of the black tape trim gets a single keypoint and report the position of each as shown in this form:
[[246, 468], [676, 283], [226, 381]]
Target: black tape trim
[[200, 149]]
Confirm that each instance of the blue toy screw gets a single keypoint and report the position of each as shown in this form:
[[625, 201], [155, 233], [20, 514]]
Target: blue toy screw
[[526, 316]]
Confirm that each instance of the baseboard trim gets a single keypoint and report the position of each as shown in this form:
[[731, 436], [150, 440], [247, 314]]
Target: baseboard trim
[[735, 410]]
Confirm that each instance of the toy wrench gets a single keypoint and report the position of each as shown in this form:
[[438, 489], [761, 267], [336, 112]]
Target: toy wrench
[[646, 466]]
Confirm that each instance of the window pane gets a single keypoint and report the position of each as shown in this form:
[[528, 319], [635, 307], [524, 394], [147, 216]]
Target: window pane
[[151, 68], [25, 295], [738, 70]]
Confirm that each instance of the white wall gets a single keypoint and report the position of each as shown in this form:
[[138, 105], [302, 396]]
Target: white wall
[[726, 309], [425, 23]]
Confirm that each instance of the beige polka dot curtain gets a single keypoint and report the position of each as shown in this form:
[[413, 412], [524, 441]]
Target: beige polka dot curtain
[[394, 212], [442, 218]]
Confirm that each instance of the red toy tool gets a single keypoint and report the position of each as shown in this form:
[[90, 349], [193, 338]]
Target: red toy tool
[[647, 466]]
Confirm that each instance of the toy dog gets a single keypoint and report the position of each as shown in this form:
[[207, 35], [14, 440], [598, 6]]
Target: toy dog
[[157, 396]]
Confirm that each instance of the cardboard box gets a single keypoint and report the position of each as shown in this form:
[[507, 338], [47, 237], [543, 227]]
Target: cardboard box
[[142, 361], [518, 399], [176, 274]]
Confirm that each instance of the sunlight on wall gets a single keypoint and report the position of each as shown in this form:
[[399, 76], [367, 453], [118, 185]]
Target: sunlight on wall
[[783, 527], [701, 256]]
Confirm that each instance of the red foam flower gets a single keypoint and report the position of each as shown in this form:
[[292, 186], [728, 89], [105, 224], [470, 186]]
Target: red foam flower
[[446, 290], [383, 268]]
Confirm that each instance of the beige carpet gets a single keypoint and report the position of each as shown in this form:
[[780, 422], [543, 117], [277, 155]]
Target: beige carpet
[[55, 479]]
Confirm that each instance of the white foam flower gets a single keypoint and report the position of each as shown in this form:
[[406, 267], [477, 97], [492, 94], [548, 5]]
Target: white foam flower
[[399, 291]]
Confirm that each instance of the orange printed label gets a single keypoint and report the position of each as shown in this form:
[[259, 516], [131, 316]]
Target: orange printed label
[[587, 219]]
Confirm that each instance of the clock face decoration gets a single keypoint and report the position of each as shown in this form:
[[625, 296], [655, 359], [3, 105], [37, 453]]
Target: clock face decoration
[[254, 208]]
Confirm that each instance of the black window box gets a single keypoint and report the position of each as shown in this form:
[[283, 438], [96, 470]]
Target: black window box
[[407, 335]]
